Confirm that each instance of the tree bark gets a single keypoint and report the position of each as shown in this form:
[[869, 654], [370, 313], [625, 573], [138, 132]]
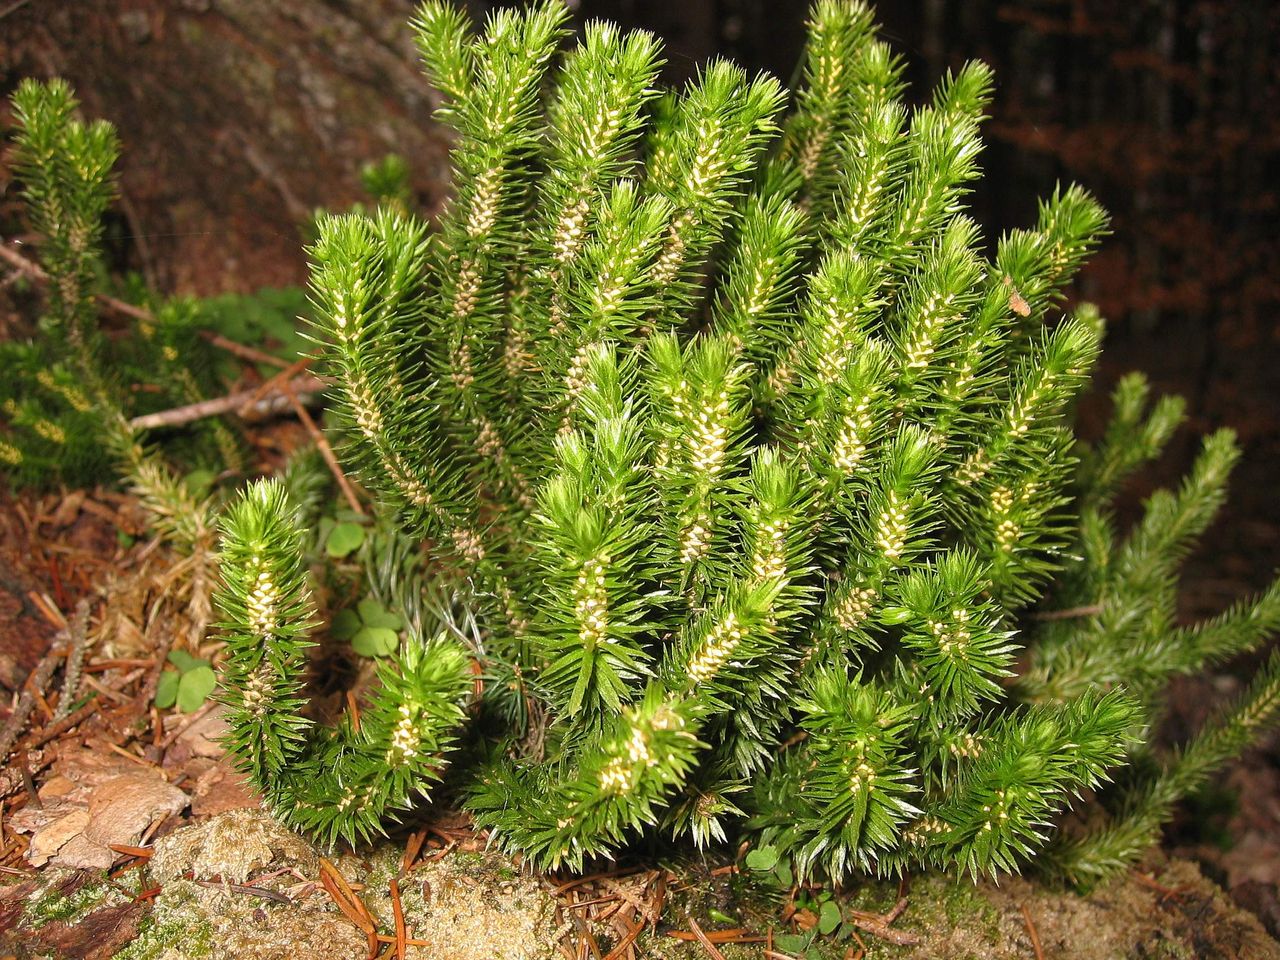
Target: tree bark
[[237, 118]]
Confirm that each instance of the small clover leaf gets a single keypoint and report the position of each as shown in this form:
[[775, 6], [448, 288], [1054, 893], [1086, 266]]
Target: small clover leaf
[[343, 539], [194, 688], [375, 641], [167, 689], [762, 859]]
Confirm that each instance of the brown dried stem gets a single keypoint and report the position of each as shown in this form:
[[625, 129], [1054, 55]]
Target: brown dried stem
[[32, 690], [36, 272], [305, 389]]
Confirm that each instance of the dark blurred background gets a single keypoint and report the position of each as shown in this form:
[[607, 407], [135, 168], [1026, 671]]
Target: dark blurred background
[[1169, 111], [239, 117]]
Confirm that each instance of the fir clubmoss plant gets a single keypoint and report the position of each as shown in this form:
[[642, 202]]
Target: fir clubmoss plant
[[69, 386], [70, 392], [756, 469]]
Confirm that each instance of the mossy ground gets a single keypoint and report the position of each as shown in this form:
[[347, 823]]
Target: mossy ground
[[479, 906], [57, 904], [1169, 912]]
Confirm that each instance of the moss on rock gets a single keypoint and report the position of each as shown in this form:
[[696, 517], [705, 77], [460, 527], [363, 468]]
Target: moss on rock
[[466, 907], [232, 846], [480, 906]]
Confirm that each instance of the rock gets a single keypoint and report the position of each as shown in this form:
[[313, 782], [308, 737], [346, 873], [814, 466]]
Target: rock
[[465, 906], [468, 907], [1174, 913], [266, 904], [232, 846]]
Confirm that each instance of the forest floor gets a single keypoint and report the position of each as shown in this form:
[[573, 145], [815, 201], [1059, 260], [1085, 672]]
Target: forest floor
[[125, 831]]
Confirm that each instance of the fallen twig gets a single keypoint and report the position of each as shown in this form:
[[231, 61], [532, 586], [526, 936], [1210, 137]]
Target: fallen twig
[[242, 351], [277, 380], [305, 389], [170, 736], [36, 272], [106, 691], [59, 727], [1031, 929], [397, 910], [48, 609], [579, 904], [584, 931], [411, 851], [352, 907], [735, 935], [878, 924], [143, 853], [707, 945], [245, 889], [1166, 893], [78, 632], [408, 941], [326, 451], [625, 943], [591, 878], [32, 690], [101, 666], [29, 785]]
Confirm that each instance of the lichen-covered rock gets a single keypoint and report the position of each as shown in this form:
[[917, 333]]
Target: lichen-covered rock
[[241, 887], [1170, 912], [231, 846], [468, 906], [193, 922], [463, 906]]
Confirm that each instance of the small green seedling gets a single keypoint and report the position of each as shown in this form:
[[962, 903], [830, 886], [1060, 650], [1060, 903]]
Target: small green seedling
[[719, 916], [770, 867], [344, 538], [374, 631], [773, 867], [188, 685]]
